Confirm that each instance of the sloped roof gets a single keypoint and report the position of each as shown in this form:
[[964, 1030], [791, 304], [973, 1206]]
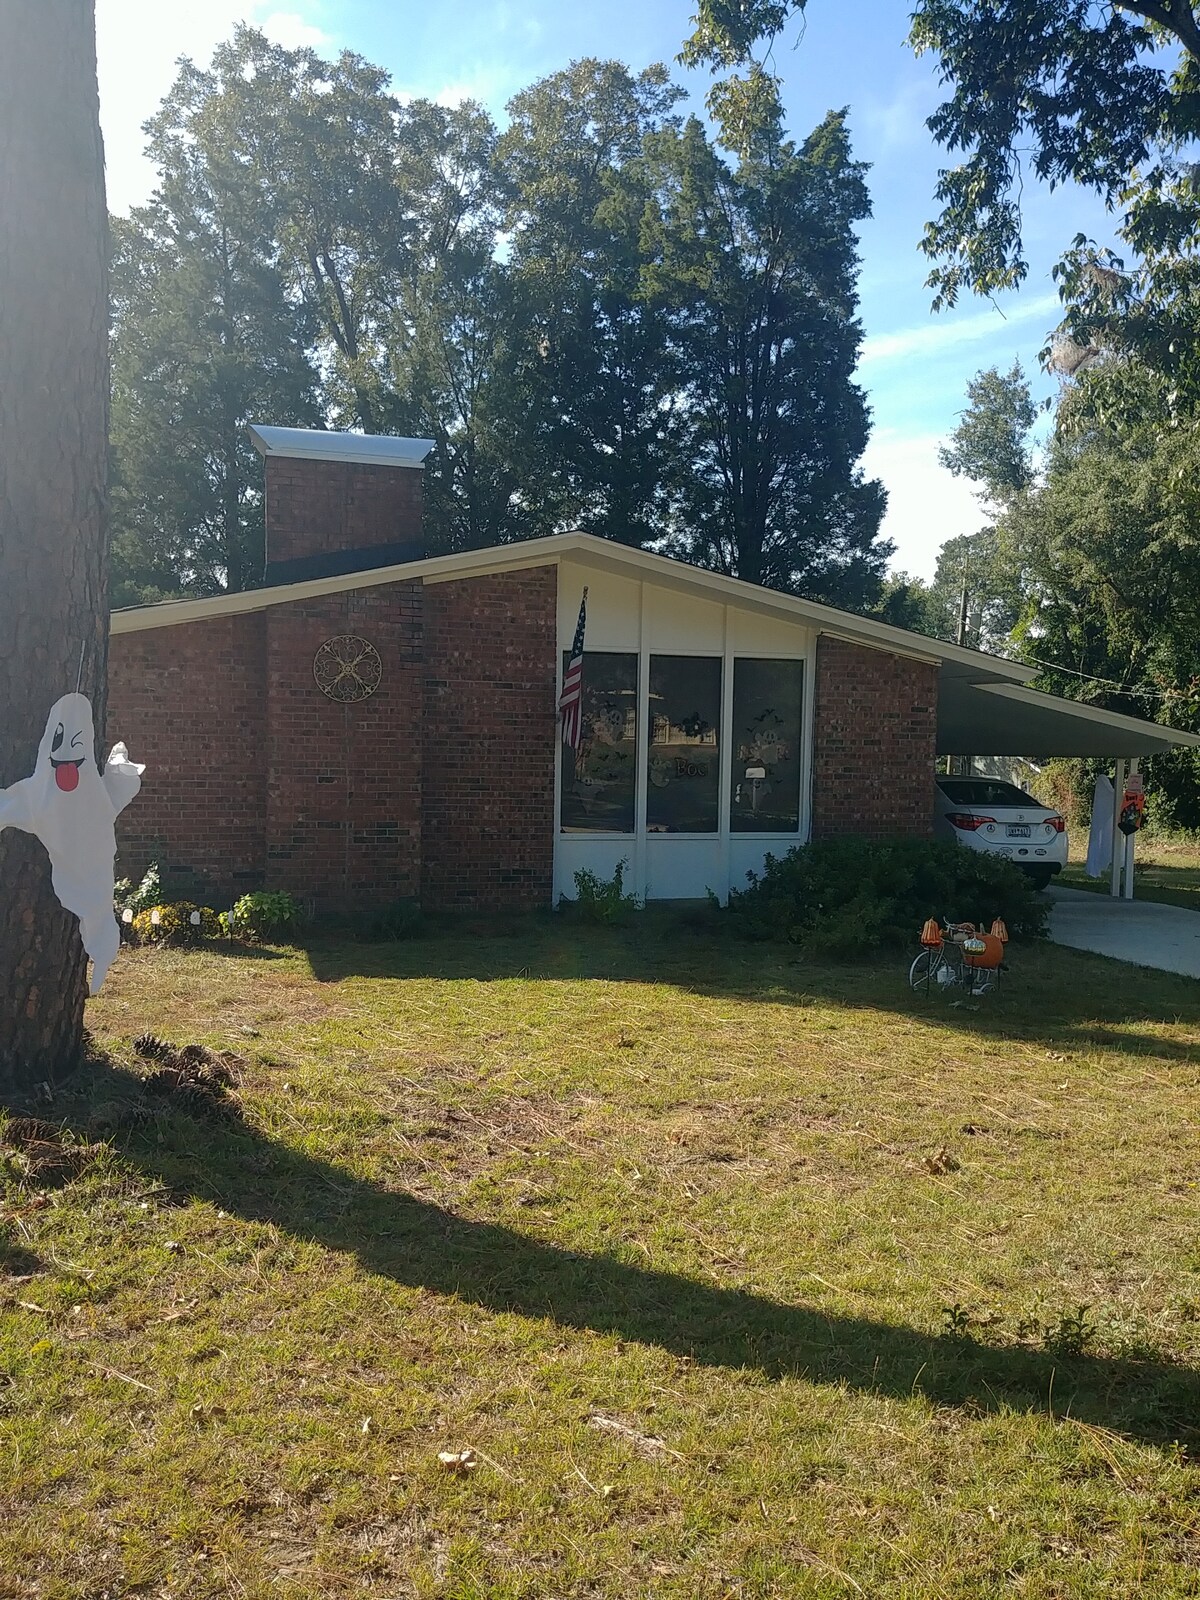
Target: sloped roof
[[984, 704]]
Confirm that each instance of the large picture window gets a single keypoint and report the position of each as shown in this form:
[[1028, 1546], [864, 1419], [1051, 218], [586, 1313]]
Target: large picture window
[[684, 744], [599, 781], [765, 776]]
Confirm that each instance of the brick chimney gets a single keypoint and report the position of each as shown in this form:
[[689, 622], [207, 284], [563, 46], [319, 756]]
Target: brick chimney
[[339, 502]]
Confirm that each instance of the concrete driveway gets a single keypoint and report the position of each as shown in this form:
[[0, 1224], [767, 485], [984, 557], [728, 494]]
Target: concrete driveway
[[1141, 931]]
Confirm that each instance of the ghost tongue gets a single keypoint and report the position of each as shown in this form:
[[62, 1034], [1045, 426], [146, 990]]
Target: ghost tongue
[[72, 809]]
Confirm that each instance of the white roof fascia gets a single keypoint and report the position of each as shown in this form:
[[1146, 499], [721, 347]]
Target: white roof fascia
[[1158, 734], [361, 449], [439, 569]]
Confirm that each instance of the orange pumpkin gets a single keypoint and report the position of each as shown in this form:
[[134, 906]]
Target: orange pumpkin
[[931, 933], [999, 931]]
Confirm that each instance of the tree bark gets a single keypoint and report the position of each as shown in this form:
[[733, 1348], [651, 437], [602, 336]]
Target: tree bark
[[53, 533]]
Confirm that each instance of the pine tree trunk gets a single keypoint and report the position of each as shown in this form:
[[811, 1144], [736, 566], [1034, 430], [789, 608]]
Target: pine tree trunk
[[53, 441]]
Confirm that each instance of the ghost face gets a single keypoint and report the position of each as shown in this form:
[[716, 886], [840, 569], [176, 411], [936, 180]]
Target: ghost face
[[68, 742]]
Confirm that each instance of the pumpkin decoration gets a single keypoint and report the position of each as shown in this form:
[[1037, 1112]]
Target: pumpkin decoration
[[984, 950], [931, 934], [999, 931]]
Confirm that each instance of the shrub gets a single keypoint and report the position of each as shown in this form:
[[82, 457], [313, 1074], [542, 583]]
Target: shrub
[[268, 915], [147, 894], [603, 899], [845, 896], [175, 925]]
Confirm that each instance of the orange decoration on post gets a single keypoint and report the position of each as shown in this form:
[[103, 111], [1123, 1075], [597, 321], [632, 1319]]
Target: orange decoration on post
[[931, 933], [999, 931]]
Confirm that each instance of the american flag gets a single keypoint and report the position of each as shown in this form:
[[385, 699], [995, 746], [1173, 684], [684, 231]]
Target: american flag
[[569, 701]]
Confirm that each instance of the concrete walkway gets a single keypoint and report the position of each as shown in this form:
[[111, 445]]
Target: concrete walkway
[[1141, 931]]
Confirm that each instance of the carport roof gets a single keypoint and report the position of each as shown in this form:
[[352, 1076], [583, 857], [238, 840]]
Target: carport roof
[[985, 706], [1010, 719]]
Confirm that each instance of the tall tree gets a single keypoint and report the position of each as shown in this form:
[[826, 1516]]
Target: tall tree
[[595, 360], [991, 444], [204, 342], [763, 260], [453, 339], [53, 422]]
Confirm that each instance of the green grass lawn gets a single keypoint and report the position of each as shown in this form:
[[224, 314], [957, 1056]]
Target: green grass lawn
[[740, 1276], [1165, 868]]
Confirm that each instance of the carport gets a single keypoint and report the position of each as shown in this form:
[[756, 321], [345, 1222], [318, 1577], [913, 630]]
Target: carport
[[996, 713]]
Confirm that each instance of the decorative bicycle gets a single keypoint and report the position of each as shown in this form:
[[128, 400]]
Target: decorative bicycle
[[959, 954]]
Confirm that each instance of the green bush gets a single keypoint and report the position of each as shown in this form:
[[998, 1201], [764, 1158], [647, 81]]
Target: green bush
[[148, 893], [175, 926], [603, 899], [846, 896], [268, 915]]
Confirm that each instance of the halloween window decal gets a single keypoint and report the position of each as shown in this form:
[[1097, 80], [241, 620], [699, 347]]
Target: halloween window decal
[[765, 775], [598, 779]]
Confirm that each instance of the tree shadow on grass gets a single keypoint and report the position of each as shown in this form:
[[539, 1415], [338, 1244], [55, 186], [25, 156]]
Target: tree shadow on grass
[[397, 1236]]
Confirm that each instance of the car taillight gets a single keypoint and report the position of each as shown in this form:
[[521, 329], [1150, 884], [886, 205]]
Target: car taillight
[[967, 820], [1057, 824]]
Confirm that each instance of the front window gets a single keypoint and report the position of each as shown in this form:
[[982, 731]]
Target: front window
[[684, 755], [599, 781], [765, 776]]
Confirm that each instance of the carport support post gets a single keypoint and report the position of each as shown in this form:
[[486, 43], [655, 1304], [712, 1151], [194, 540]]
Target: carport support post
[[1118, 838], [1133, 766]]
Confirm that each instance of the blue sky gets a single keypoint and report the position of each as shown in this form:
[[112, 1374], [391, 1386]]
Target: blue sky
[[915, 364]]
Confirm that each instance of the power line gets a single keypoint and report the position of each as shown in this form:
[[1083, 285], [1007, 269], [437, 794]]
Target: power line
[[1108, 683]]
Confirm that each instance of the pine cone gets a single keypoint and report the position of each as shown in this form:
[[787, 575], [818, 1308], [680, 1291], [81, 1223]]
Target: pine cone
[[22, 1131], [150, 1047]]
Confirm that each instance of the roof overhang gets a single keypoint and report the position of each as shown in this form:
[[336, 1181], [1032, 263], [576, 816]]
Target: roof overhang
[[1009, 719]]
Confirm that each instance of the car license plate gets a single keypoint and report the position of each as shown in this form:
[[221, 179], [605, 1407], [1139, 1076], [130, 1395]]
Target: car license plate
[[1018, 830]]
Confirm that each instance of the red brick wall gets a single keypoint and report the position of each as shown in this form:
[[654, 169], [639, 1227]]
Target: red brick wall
[[488, 812], [343, 799], [189, 702], [314, 508], [874, 743]]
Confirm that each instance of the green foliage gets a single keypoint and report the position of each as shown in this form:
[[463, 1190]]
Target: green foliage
[[268, 916], [174, 925], [318, 252], [147, 893], [991, 442], [762, 261], [845, 897], [1070, 90], [603, 899]]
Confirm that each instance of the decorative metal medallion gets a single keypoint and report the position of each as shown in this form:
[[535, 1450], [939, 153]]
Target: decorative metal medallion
[[347, 668]]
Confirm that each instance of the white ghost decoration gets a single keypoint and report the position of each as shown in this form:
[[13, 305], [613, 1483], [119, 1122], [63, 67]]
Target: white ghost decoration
[[72, 809]]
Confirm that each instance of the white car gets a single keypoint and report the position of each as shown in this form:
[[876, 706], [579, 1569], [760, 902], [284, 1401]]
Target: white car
[[989, 814]]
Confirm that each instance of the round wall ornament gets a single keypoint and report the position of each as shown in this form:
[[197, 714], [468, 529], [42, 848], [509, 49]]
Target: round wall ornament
[[347, 668]]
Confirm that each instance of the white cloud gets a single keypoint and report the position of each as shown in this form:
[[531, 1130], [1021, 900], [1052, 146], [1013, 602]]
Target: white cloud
[[939, 334], [138, 43], [293, 32], [926, 504]]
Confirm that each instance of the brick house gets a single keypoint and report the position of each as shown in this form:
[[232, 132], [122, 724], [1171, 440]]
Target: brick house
[[375, 724]]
